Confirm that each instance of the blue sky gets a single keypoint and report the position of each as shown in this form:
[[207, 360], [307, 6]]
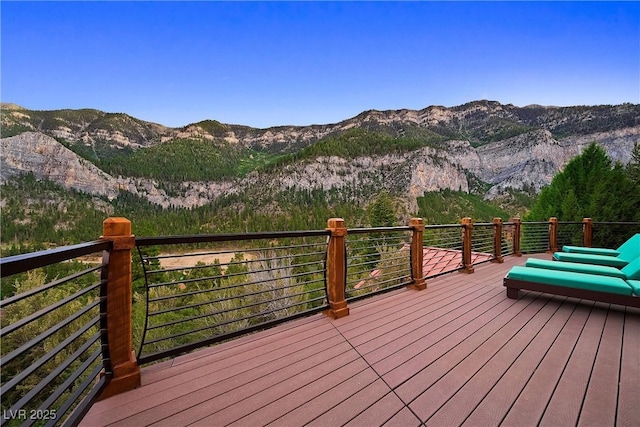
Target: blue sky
[[278, 63]]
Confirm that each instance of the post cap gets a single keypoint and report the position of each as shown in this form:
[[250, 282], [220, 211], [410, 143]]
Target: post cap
[[335, 223], [116, 226]]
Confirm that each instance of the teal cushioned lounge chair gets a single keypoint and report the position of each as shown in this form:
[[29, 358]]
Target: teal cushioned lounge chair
[[629, 271], [627, 252], [594, 287], [602, 251]]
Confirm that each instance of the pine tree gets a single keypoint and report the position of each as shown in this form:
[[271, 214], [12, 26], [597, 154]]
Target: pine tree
[[382, 213], [633, 168], [589, 186]]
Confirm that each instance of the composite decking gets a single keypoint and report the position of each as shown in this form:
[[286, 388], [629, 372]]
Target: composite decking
[[458, 353]]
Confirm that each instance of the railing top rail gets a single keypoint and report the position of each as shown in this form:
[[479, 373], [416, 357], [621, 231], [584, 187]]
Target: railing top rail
[[377, 229], [535, 222], [483, 224], [436, 226], [210, 238], [570, 222], [20, 263], [617, 222]]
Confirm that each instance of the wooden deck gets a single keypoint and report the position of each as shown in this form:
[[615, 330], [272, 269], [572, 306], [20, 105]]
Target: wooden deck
[[459, 353]]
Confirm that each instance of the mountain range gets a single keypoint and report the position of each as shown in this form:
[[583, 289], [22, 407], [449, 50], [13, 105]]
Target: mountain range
[[482, 147]]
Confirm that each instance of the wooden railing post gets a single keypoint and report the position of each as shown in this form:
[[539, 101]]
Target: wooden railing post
[[517, 236], [587, 232], [553, 234], [417, 228], [126, 372], [336, 269], [497, 240], [467, 227]]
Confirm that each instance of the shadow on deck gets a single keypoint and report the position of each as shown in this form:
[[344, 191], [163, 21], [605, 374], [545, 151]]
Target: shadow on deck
[[457, 353]]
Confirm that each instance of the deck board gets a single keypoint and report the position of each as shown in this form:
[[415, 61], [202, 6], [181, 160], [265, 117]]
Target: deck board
[[470, 356], [288, 395], [478, 381], [403, 418], [599, 406], [393, 319], [629, 389], [424, 369], [457, 353], [251, 393], [497, 402], [395, 353], [532, 401], [350, 406], [423, 320], [179, 390], [566, 402], [382, 410]]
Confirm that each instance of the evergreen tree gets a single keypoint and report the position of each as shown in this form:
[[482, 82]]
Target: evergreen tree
[[382, 213], [589, 186], [633, 168]]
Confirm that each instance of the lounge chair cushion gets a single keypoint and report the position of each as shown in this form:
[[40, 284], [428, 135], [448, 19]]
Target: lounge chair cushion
[[632, 270], [576, 267], [630, 249], [570, 279], [590, 251], [635, 285], [627, 252], [611, 261]]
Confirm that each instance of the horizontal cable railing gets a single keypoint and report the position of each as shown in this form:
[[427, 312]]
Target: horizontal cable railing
[[482, 243], [55, 355], [570, 233], [507, 238], [442, 249], [613, 234], [215, 293], [377, 260], [535, 237]]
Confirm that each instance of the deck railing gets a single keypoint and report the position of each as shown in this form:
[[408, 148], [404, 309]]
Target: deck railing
[[568, 233], [377, 260], [536, 236], [55, 352], [202, 289], [231, 285], [609, 234]]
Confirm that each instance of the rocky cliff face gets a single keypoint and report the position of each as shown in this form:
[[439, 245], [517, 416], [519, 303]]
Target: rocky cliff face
[[47, 158], [508, 147], [530, 161], [407, 175]]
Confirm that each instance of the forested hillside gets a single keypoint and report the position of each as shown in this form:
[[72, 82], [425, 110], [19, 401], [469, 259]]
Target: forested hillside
[[64, 171], [39, 213]]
